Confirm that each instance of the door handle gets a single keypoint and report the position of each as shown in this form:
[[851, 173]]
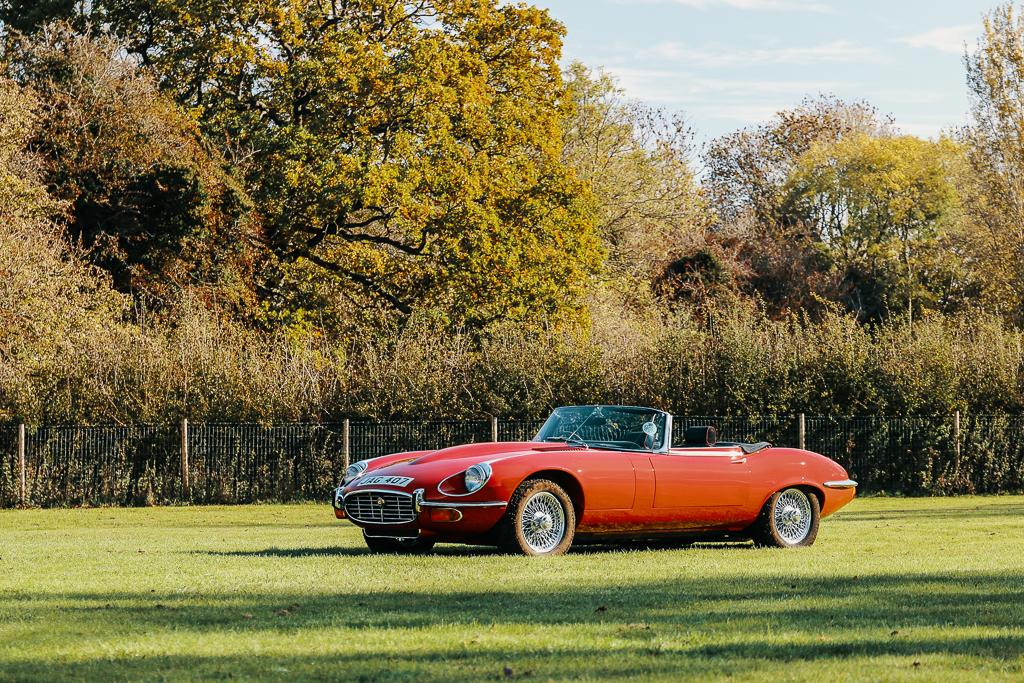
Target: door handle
[[738, 461]]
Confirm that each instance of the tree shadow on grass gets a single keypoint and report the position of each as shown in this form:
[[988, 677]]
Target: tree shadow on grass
[[630, 660], [1011, 510], [658, 627]]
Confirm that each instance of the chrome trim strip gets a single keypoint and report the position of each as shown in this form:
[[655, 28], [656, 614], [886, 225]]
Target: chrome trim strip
[[459, 504], [841, 484], [490, 473], [397, 538]]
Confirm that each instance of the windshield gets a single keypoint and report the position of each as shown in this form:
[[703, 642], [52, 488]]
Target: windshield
[[611, 427]]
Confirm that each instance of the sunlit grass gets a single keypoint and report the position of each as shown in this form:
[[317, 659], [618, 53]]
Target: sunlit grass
[[894, 589]]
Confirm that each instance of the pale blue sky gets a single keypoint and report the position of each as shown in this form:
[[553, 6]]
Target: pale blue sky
[[731, 63]]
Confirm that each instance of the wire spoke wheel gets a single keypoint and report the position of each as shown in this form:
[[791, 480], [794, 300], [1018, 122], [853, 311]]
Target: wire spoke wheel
[[792, 516], [542, 522]]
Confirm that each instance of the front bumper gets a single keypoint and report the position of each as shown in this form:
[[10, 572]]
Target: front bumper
[[453, 518]]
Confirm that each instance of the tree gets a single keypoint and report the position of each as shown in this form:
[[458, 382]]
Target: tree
[[27, 16], [747, 170], [879, 206], [637, 163], [52, 304], [746, 175], [142, 192], [995, 148], [412, 150]]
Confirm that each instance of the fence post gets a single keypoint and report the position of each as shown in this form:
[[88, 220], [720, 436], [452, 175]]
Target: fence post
[[956, 435], [22, 478], [186, 487], [346, 453], [494, 428], [802, 432]]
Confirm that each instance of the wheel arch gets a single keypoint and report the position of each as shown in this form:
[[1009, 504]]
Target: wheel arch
[[814, 491], [804, 486], [568, 482]]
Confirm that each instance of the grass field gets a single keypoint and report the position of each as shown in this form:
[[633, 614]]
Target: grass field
[[894, 589]]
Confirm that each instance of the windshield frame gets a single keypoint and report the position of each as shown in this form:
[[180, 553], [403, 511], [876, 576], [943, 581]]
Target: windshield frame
[[664, 447]]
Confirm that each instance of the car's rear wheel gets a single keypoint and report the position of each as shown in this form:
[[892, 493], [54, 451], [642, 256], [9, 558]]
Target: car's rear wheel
[[789, 520], [410, 546], [539, 521]]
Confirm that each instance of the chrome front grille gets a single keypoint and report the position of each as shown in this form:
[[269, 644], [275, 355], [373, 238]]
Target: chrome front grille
[[380, 507]]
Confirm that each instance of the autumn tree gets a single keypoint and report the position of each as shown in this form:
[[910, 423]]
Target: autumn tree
[[747, 170], [141, 191], [879, 208], [637, 163], [410, 150], [995, 147], [52, 303], [746, 173]]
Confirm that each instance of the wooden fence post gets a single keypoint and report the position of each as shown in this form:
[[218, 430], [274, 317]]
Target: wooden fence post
[[802, 430], [956, 435], [186, 487], [22, 477], [494, 428], [346, 452]]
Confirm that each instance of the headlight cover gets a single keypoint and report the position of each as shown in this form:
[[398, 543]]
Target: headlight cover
[[354, 470], [476, 476]]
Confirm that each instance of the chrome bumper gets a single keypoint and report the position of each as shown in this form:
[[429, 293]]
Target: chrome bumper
[[444, 504], [841, 484], [419, 503]]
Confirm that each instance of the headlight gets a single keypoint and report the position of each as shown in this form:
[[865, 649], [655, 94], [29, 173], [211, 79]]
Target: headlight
[[354, 470], [476, 476]]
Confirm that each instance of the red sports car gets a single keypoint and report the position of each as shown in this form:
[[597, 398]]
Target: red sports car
[[593, 473]]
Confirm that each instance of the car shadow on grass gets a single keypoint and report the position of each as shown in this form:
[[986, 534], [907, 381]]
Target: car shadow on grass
[[454, 550]]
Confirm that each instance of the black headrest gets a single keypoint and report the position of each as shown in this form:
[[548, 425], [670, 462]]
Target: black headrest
[[700, 436]]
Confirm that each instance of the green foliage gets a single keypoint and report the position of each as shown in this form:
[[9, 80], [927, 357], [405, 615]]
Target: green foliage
[[879, 207], [747, 170], [27, 16]]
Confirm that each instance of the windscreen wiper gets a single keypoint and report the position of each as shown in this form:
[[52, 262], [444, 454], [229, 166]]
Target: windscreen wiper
[[571, 440]]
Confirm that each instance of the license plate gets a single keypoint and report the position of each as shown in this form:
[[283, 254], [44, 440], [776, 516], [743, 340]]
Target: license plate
[[385, 481]]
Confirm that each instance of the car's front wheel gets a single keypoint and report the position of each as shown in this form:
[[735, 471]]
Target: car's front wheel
[[408, 546], [789, 519], [539, 521]]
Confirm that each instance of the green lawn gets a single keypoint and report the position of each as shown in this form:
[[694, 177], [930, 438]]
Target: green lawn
[[894, 589]]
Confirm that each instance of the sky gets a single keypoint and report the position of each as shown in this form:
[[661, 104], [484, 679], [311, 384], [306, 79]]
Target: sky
[[726, 64]]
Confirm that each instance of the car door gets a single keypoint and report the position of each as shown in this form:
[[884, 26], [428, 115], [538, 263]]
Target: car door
[[701, 488], [613, 484], [608, 478]]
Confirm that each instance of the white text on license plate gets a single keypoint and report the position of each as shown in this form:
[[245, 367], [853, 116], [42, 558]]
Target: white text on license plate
[[385, 481]]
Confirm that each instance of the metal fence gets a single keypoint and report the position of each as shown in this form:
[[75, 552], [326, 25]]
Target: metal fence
[[234, 463]]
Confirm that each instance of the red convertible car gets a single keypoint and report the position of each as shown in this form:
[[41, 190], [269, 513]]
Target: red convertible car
[[593, 473]]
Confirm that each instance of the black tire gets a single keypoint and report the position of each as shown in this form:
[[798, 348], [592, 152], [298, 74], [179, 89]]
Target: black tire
[[538, 498], [773, 530], [394, 546]]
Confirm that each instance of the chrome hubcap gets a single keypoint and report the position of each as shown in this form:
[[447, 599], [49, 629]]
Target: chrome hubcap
[[792, 515], [542, 522]]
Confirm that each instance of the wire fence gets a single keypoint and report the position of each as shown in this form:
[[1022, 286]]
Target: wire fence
[[237, 463]]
